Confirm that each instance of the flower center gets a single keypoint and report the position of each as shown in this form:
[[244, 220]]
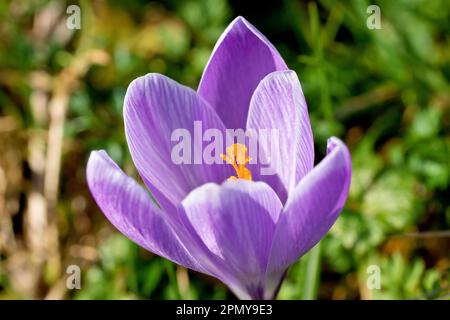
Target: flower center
[[238, 158]]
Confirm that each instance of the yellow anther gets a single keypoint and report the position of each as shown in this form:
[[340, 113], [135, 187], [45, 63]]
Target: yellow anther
[[238, 158]]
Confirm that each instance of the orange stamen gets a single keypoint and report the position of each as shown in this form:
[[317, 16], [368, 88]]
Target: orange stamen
[[237, 157]]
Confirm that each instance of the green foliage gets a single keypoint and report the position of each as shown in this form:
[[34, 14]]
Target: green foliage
[[304, 277], [125, 271], [402, 279], [385, 92]]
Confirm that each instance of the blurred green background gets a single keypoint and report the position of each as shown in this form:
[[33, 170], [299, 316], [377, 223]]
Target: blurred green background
[[385, 92]]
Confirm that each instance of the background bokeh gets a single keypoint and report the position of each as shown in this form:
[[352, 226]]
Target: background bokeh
[[384, 92]]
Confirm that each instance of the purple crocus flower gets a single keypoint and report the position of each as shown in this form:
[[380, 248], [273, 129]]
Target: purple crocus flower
[[245, 231]]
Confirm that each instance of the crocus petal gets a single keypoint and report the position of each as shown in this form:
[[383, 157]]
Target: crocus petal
[[156, 106], [279, 105], [131, 210], [240, 60], [236, 221], [311, 210]]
